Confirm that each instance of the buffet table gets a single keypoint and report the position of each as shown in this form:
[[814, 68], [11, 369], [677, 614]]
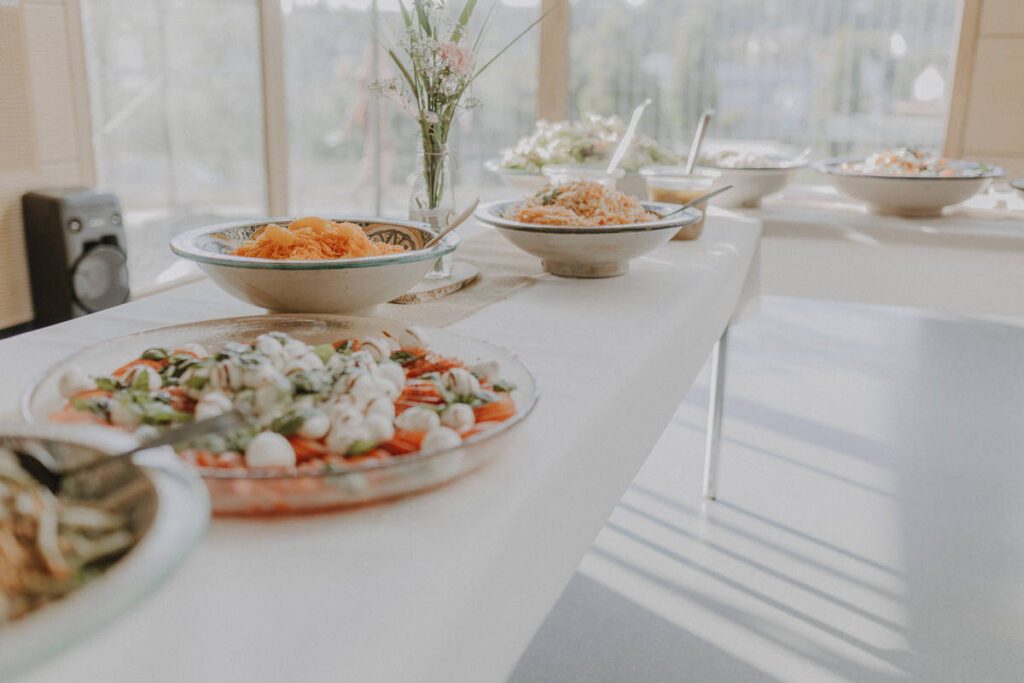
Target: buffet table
[[452, 584]]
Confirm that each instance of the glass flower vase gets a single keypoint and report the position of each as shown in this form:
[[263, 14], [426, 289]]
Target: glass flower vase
[[433, 199]]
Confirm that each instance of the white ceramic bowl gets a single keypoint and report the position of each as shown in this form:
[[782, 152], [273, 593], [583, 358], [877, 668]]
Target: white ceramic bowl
[[912, 196], [751, 185], [1018, 185], [173, 511], [316, 286], [521, 181], [526, 183], [587, 252]]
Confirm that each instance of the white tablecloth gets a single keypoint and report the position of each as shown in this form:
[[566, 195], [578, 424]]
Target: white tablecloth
[[450, 585]]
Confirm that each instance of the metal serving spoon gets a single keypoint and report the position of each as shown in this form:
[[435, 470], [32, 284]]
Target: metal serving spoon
[[693, 202], [459, 220], [45, 469]]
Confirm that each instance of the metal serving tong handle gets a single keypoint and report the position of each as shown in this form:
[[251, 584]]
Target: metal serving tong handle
[[45, 469], [694, 202]]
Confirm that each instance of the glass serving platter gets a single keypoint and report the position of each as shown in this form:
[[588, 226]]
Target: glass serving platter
[[249, 492]]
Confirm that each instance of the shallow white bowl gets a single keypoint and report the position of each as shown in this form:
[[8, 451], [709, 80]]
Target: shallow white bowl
[[317, 286], [751, 185], [911, 196], [587, 252], [181, 510], [521, 181], [1018, 185]]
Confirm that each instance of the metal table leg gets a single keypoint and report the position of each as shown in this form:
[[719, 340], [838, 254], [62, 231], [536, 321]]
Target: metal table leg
[[713, 444]]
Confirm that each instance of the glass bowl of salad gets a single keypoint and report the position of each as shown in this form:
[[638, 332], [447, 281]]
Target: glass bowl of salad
[[340, 411]]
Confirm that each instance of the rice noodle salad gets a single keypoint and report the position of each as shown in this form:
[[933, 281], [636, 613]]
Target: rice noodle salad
[[580, 203], [915, 163], [49, 545], [308, 407]]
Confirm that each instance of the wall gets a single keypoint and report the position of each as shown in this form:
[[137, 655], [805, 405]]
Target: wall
[[44, 136], [986, 119]]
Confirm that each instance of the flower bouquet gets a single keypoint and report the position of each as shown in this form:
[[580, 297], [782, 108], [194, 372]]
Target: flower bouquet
[[437, 64]]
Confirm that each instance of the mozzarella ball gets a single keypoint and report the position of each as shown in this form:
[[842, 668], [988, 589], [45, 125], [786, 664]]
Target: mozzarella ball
[[393, 372], [364, 388], [198, 350], [74, 381], [122, 415], [418, 419], [212, 404], [226, 376], [315, 426], [261, 375], [271, 396], [344, 434], [485, 371], [293, 348], [269, 449], [383, 407], [413, 338], [153, 379], [460, 381], [440, 438], [380, 428], [378, 348], [459, 417]]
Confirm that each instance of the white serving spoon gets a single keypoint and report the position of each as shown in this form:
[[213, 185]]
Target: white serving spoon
[[698, 140], [627, 137], [459, 220]]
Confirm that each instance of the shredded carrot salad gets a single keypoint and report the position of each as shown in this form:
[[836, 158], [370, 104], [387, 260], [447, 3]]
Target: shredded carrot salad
[[313, 238], [580, 203]]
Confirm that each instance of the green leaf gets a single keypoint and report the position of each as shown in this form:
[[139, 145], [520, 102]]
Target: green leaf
[[97, 406], [504, 386], [404, 357], [515, 40], [141, 381], [289, 423], [155, 354], [405, 72], [196, 382], [360, 447], [106, 383], [421, 14], [484, 25], [406, 17], [460, 26]]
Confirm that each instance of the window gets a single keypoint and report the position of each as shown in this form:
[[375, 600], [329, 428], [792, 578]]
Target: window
[[177, 114], [177, 94], [841, 77], [335, 158]]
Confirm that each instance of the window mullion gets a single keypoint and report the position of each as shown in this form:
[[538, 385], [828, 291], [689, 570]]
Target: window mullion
[[275, 116]]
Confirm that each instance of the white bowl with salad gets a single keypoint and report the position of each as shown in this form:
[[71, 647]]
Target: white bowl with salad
[[753, 173], [587, 142], [909, 182], [77, 560]]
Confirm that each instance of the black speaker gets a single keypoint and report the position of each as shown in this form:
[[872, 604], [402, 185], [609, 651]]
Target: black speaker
[[76, 252]]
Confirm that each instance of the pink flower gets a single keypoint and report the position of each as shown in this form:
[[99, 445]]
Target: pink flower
[[458, 58]]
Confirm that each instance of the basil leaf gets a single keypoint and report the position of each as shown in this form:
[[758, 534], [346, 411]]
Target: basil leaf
[[288, 424], [504, 386], [107, 383], [141, 381], [155, 354], [404, 357], [360, 447]]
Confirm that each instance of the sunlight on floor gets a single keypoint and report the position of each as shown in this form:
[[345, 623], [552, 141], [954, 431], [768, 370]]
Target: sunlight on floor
[[827, 556]]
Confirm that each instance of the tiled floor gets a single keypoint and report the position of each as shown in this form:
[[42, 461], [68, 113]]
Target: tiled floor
[[869, 526]]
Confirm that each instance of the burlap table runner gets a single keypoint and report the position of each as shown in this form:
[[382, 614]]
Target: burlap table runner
[[504, 269]]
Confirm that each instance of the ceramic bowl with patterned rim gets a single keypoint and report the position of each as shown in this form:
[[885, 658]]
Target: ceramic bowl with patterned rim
[[911, 196], [344, 285], [587, 251]]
